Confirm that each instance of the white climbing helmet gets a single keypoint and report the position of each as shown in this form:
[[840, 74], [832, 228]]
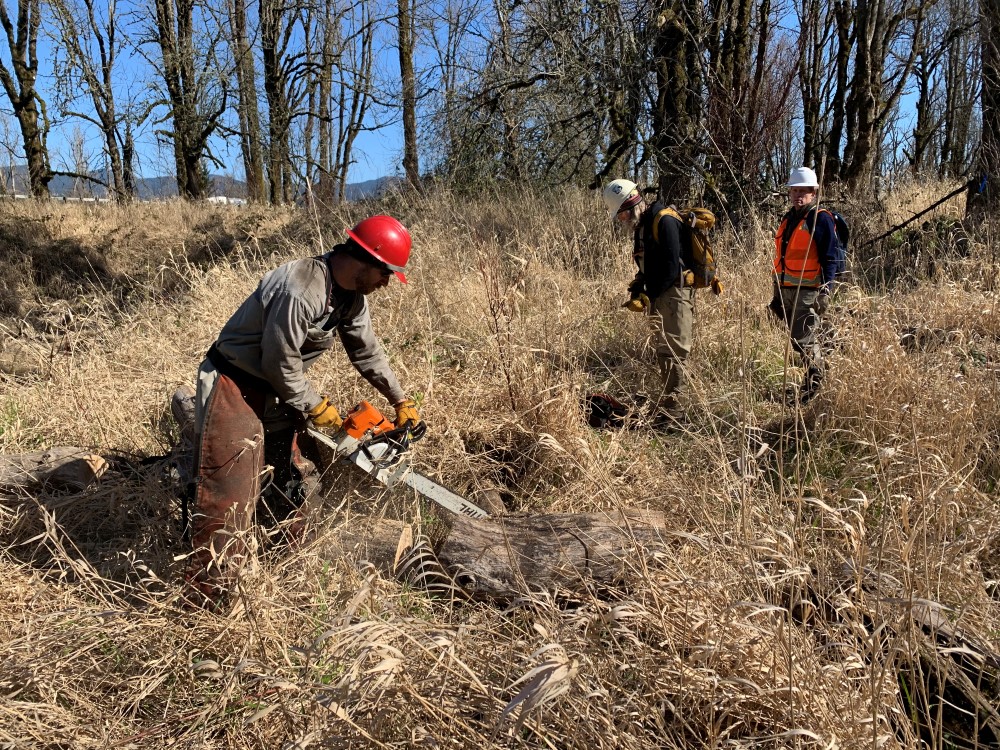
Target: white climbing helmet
[[802, 177], [621, 194]]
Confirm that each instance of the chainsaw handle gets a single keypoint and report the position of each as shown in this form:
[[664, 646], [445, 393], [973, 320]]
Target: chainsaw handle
[[417, 431], [401, 437]]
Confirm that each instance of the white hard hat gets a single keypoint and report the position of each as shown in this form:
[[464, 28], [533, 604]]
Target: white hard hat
[[618, 193], [802, 177]]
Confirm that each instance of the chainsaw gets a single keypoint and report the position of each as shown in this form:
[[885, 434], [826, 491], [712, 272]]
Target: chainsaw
[[369, 441]]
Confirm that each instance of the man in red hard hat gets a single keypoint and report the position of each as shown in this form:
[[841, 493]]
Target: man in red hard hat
[[254, 401]]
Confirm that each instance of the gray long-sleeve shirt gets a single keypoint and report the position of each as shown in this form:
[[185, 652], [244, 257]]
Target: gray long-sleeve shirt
[[292, 318]]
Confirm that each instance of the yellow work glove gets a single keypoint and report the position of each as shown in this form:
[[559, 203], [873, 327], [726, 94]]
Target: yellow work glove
[[325, 415], [637, 304], [406, 413]]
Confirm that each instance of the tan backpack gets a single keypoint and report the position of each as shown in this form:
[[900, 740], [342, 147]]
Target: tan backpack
[[702, 273]]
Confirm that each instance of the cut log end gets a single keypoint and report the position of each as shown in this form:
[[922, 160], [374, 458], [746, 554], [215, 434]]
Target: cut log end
[[64, 467]]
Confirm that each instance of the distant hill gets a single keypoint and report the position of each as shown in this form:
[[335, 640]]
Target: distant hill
[[153, 188]]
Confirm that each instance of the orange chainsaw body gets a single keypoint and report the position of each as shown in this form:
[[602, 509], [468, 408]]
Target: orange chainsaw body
[[364, 420]]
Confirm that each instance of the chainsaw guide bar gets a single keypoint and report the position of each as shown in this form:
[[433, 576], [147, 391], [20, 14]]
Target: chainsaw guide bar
[[385, 460]]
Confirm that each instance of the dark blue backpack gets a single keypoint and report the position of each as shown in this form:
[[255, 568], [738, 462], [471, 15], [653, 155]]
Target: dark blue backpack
[[843, 231]]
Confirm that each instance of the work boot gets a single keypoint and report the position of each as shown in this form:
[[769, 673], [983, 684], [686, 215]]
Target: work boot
[[203, 587], [668, 414], [810, 385]]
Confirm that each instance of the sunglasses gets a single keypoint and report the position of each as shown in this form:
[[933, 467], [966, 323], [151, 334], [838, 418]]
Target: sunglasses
[[383, 269]]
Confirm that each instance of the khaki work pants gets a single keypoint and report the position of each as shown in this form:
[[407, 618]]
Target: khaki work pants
[[672, 321]]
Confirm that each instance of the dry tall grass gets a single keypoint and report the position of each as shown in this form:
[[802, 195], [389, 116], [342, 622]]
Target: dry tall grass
[[799, 545]]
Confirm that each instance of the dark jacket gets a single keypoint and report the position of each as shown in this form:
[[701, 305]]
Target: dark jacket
[[660, 262]]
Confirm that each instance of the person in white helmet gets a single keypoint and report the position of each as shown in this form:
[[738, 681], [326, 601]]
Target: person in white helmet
[[807, 260], [658, 287]]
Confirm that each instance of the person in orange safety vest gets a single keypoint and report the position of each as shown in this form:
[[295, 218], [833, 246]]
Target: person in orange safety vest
[[807, 259]]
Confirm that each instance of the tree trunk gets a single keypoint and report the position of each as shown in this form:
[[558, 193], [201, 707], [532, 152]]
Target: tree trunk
[[843, 15], [812, 42], [128, 161], [980, 205], [411, 164], [39, 174], [324, 92], [249, 115], [677, 117], [271, 13], [926, 125], [19, 84]]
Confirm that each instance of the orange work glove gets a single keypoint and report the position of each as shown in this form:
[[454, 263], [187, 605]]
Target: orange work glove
[[406, 413], [325, 415]]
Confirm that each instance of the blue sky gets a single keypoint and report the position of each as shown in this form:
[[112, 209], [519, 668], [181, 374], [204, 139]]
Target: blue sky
[[376, 154]]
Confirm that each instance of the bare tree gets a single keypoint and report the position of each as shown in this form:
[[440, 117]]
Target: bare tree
[[562, 94], [80, 164], [934, 45], [19, 83], [9, 144], [621, 52], [452, 30], [196, 84], [92, 43], [286, 69], [962, 78], [352, 92], [247, 107], [750, 83], [814, 41], [882, 32]]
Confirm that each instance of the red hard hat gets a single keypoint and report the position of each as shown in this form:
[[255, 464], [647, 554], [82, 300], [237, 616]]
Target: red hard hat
[[386, 239]]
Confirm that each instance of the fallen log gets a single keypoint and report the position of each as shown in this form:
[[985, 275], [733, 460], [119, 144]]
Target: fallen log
[[62, 467], [504, 557]]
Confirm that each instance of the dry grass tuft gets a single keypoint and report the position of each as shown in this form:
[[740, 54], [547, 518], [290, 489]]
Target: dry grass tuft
[[826, 573]]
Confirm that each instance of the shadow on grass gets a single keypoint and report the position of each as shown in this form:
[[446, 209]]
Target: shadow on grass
[[120, 536]]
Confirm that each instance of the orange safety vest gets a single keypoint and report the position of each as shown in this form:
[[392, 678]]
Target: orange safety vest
[[799, 264]]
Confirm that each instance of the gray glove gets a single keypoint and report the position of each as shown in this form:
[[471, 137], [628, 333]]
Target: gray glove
[[822, 302]]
